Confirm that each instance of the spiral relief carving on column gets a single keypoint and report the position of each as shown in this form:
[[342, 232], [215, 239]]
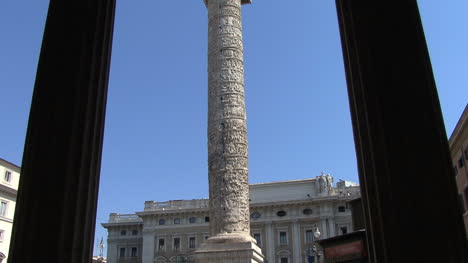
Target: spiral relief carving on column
[[227, 128]]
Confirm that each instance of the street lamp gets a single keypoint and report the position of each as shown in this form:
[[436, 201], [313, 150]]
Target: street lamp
[[312, 251]]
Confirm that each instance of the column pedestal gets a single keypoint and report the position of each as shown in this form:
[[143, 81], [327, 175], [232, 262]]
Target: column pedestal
[[239, 252]]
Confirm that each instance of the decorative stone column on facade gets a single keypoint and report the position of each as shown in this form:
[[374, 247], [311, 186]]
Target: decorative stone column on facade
[[148, 246], [296, 240], [112, 251], [227, 139], [270, 242], [323, 228], [332, 228]]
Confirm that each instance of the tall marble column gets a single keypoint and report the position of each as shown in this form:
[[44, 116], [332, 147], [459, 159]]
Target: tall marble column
[[227, 137], [227, 127]]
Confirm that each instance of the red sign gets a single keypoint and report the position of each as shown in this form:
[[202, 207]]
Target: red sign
[[343, 250]]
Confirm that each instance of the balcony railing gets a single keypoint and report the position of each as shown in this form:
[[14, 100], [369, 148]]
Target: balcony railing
[[176, 205], [121, 218]]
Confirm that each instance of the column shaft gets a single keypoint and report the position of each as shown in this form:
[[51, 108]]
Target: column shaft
[[227, 128], [58, 189], [405, 170], [230, 239]]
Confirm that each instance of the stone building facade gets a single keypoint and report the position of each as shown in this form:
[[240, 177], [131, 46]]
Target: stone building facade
[[9, 179], [283, 217], [459, 151]]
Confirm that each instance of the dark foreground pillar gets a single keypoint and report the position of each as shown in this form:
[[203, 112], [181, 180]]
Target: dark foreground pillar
[[408, 187], [57, 196]]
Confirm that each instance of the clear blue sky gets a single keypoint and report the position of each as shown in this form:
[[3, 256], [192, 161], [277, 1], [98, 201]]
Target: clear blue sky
[[155, 144]]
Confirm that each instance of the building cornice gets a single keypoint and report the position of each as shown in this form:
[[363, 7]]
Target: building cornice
[[128, 223], [301, 202], [289, 182], [462, 122], [172, 212], [10, 165], [5, 219], [8, 190]]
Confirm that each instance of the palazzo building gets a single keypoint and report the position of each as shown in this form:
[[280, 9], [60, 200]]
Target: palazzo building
[[459, 150], [284, 216], [9, 179]]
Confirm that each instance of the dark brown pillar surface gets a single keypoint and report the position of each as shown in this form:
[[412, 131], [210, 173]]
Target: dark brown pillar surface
[[407, 184], [57, 196]]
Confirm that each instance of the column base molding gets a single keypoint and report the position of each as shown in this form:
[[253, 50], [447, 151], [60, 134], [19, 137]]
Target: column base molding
[[242, 252]]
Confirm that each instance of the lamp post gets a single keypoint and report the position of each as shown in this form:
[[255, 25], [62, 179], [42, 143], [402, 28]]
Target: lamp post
[[312, 250]]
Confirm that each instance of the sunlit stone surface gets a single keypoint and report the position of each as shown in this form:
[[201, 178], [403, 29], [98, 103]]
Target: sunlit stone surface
[[230, 239]]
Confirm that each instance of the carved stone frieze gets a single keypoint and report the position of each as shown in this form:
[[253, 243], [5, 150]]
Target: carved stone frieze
[[227, 63], [227, 127]]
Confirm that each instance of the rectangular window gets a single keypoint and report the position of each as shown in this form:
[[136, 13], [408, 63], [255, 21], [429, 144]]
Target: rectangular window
[[161, 244], [134, 252], [258, 238], [344, 230], [134, 232], [176, 244], [7, 177], [2, 235], [309, 236], [3, 208], [191, 243], [122, 252], [284, 260], [283, 238]]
